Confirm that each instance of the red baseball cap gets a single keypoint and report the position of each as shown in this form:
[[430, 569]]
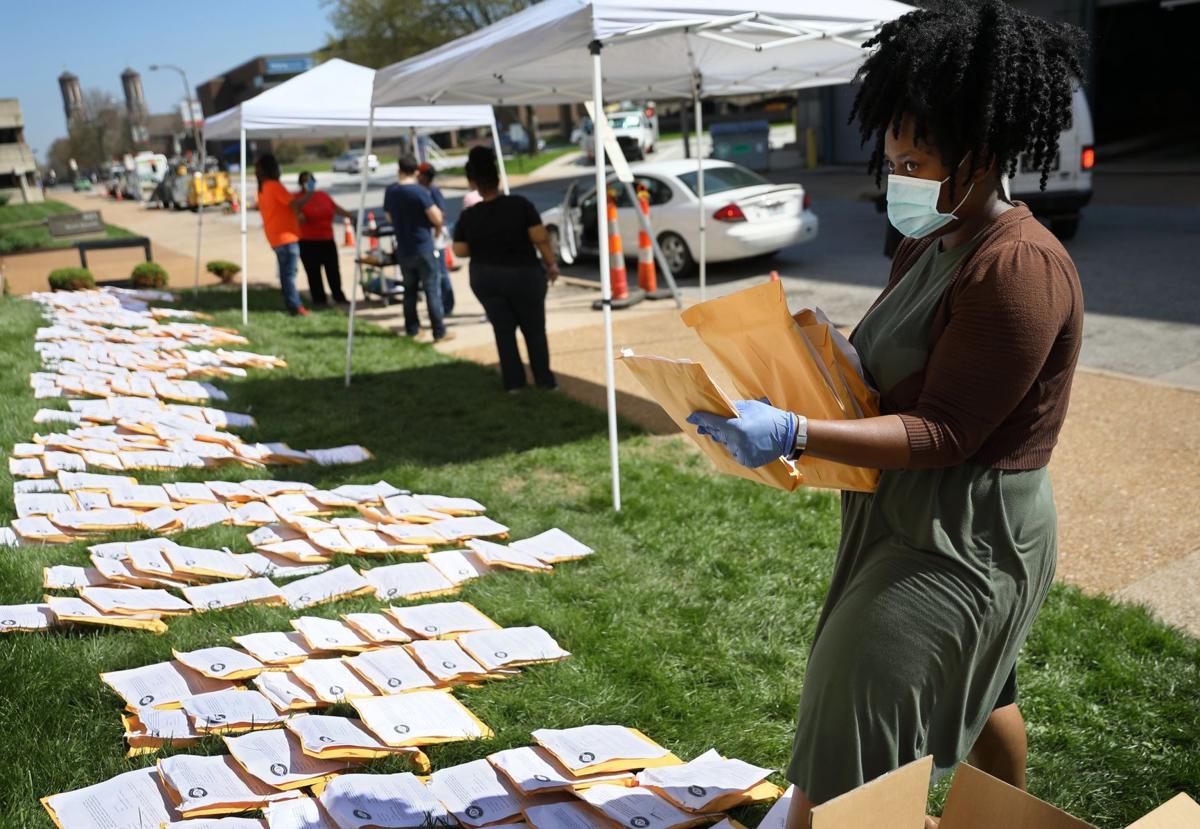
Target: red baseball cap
[[425, 168]]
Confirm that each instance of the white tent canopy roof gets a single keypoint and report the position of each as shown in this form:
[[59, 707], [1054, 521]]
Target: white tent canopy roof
[[651, 49], [333, 99]]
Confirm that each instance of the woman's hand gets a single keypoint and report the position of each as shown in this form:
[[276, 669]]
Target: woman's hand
[[759, 434]]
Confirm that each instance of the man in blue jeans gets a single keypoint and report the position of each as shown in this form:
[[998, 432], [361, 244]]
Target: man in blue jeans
[[425, 174], [415, 219]]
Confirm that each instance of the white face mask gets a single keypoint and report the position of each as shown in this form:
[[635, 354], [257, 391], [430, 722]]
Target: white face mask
[[912, 205]]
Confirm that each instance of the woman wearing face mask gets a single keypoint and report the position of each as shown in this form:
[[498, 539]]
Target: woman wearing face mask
[[972, 345], [317, 247]]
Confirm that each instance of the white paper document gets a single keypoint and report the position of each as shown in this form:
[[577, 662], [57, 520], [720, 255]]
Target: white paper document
[[445, 660], [159, 684], [66, 577], [215, 785], [391, 670], [553, 546], [419, 717], [221, 662], [297, 814], [637, 807], [133, 800], [386, 801], [476, 794], [232, 709], [407, 581], [199, 561], [221, 595], [331, 680], [696, 785], [498, 555], [533, 769], [510, 647], [274, 757], [441, 619], [329, 634], [126, 600], [275, 647], [25, 617], [376, 627], [324, 736], [568, 815], [589, 745], [284, 691], [458, 566], [313, 590]]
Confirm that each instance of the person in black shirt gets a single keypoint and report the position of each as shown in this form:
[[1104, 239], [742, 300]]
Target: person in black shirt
[[503, 235]]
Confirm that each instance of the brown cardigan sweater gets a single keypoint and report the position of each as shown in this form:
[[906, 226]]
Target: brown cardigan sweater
[[1002, 351]]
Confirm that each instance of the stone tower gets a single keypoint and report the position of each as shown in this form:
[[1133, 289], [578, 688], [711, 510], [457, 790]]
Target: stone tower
[[72, 97], [135, 106]]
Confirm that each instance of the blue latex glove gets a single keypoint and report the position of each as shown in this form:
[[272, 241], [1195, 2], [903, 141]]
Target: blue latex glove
[[758, 435]]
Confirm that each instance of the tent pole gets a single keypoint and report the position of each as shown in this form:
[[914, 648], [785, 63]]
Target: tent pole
[[605, 277], [499, 154], [700, 188], [199, 222], [242, 210], [362, 209]]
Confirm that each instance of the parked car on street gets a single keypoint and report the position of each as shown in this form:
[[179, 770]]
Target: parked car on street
[[747, 215], [634, 130], [351, 162]]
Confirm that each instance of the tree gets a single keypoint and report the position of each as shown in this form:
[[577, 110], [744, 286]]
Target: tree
[[101, 133], [376, 33]]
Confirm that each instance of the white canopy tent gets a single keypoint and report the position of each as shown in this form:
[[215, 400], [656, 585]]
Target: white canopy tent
[[332, 100], [640, 49]]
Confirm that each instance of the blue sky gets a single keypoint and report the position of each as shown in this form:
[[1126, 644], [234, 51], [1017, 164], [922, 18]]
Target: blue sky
[[97, 39]]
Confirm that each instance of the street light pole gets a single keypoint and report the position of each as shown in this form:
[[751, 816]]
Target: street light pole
[[187, 91]]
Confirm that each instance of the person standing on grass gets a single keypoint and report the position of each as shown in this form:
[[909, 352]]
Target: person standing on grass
[[317, 247], [280, 210], [941, 571], [503, 235], [425, 174], [415, 219]]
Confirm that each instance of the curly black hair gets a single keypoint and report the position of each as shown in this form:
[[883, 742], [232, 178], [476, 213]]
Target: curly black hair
[[980, 79]]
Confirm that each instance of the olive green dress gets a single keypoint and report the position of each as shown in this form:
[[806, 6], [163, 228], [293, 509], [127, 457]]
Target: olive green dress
[[939, 575]]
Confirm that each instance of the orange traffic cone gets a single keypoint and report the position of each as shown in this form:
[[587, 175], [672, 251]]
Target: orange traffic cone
[[234, 207], [348, 239], [371, 228], [449, 254], [647, 278], [616, 256]]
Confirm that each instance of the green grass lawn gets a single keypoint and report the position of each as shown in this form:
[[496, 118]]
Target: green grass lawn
[[692, 621], [22, 227]]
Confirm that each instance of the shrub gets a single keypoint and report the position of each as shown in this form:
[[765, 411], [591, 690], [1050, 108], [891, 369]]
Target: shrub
[[333, 147], [4, 198], [287, 152], [71, 279], [225, 271], [149, 275]]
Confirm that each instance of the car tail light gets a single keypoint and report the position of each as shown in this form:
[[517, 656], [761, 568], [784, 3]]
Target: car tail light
[[730, 213], [807, 201], [1087, 158]]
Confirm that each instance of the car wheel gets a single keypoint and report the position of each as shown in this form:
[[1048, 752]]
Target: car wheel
[[677, 253], [1065, 228]]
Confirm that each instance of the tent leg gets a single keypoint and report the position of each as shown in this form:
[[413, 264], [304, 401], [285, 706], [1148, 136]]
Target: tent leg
[[700, 191], [605, 277], [499, 155], [362, 209], [242, 210]]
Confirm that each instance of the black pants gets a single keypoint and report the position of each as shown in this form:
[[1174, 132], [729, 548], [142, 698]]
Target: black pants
[[315, 254], [516, 297]]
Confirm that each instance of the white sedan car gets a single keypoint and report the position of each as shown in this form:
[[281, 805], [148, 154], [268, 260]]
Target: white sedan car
[[351, 162], [747, 215]]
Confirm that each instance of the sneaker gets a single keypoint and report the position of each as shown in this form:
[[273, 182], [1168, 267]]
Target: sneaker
[[449, 335], [302, 311]]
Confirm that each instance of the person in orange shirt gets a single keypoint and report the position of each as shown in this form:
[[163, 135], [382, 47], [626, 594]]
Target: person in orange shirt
[[281, 210]]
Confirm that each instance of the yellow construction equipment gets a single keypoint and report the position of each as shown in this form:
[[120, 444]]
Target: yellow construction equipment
[[209, 189]]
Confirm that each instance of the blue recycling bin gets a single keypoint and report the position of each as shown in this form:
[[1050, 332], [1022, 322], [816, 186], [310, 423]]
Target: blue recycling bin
[[742, 142]]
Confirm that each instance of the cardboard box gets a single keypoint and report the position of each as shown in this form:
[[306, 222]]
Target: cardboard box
[[976, 801]]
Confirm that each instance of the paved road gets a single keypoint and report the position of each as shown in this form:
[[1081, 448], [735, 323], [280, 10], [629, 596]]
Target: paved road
[[1136, 252]]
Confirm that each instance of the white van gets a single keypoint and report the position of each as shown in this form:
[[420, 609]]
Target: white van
[[1069, 185]]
